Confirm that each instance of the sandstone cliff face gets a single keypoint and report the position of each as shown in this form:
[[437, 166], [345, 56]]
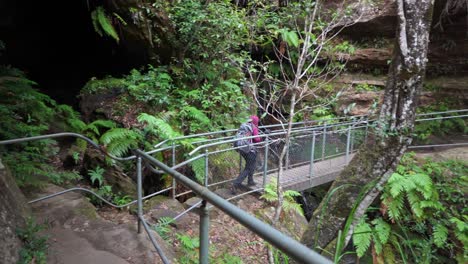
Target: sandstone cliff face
[[372, 26], [13, 210]]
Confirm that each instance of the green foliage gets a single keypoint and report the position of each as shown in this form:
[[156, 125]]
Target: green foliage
[[422, 130], [198, 167], [421, 212], [289, 204], [367, 88], [162, 227], [26, 112], [121, 200], [158, 126], [189, 247], [155, 86], [103, 23], [362, 237], [34, 248], [96, 175], [118, 141]]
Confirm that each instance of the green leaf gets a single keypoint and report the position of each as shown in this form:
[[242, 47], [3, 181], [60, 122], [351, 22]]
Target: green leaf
[[440, 235], [362, 237]]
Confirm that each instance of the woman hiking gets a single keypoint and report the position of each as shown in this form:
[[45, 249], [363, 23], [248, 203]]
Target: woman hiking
[[248, 151]]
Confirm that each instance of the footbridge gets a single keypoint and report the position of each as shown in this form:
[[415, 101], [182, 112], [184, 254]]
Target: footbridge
[[318, 151]]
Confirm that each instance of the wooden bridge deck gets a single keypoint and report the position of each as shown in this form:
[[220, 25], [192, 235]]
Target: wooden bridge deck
[[298, 178]]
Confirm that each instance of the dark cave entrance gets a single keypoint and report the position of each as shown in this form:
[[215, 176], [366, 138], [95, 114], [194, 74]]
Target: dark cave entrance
[[54, 42]]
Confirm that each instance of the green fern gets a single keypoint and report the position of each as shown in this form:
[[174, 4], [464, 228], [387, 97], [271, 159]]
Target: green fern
[[102, 23], [119, 141], [196, 114], [440, 235], [158, 126], [289, 204], [362, 237], [198, 167]]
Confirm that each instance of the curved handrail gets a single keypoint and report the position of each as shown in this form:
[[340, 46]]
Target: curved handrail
[[65, 134]]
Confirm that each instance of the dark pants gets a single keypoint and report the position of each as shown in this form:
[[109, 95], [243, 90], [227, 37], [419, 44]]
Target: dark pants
[[250, 160]]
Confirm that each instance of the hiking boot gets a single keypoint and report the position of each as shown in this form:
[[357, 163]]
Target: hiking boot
[[251, 183], [235, 188]]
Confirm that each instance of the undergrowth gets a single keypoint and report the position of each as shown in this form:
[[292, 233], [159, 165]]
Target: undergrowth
[[423, 215], [34, 248]]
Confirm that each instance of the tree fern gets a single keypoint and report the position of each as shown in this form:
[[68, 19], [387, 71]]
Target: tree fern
[[102, 23]]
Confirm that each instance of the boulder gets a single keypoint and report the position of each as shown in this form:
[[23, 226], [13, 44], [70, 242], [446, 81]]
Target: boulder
[[77, 234], [13, 210]]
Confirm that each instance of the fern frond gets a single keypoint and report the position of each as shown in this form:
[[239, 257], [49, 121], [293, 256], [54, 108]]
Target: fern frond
[[394, 206], [158, 126], [117, 134], [424, 182], [95, 20], [396, 184], [292, 207], [440, 235], [103, 23], [196, 114], [291, 193], [382, 230], [362, 237], [198, 167], [120, 147], [414, 201]]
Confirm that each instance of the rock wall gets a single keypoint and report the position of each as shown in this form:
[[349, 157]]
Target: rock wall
[[13, 210]]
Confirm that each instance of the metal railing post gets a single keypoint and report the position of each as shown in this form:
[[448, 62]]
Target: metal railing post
[[139, 194], [174, 183], [204, 233], [348, 144], [324, 139], [286, 162], [351, 148], [265, 162], [367, 130], [312, 154], [206, 167]]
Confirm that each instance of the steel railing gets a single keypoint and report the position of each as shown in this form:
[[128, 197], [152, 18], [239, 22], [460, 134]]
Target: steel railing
[[283, 242], [302, 130]]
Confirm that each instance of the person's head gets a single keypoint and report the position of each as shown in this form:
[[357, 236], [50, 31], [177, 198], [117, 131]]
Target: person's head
[[254, 119]]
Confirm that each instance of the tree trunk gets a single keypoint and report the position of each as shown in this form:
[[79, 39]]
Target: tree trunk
[[373, 165]]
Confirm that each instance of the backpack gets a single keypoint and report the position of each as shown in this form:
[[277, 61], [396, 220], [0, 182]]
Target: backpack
[[244, 144]]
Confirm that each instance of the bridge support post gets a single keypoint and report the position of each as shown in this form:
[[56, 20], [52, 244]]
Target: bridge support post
[[204, 233], [206, 167], [348, 144], [324, 140], [312, 154], [139, 194], [173, 164], [265, 161]]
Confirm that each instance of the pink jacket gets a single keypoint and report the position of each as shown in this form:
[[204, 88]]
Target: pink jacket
[[255, 120]]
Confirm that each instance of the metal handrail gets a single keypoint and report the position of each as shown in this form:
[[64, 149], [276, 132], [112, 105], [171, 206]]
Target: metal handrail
[[288, 245], [64, 134]]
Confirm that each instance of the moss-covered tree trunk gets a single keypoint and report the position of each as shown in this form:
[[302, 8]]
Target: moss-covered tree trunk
[[374, 163]]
